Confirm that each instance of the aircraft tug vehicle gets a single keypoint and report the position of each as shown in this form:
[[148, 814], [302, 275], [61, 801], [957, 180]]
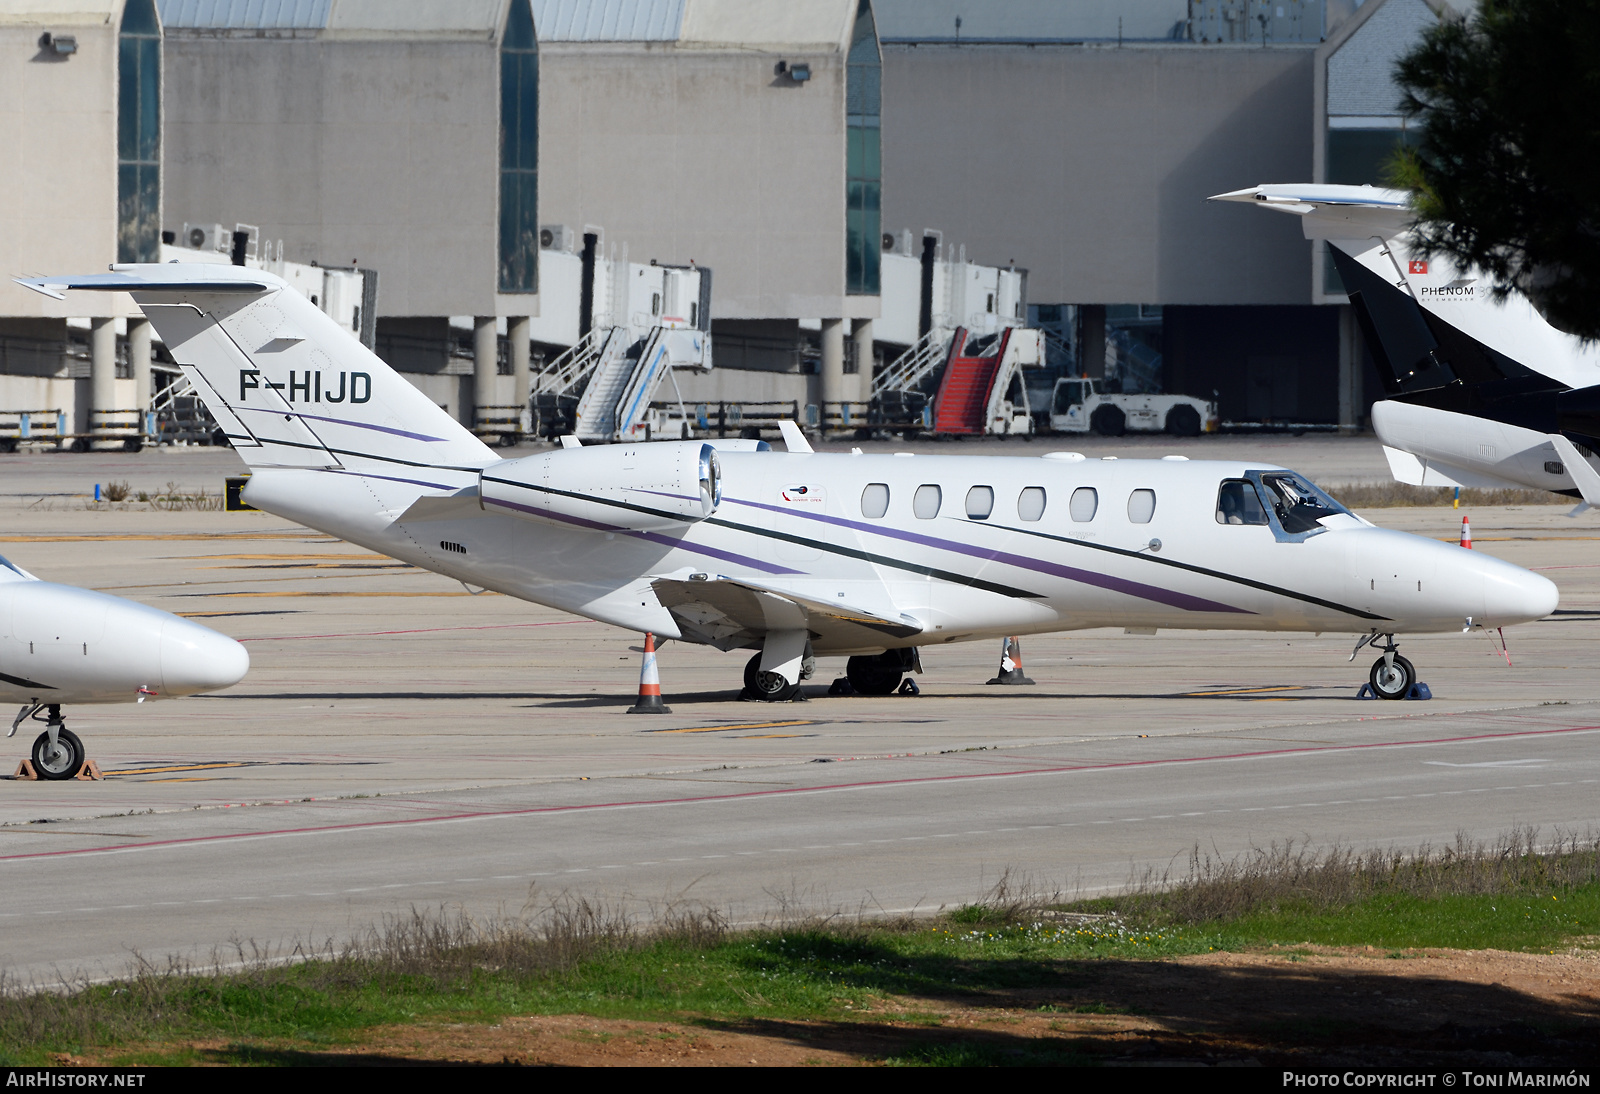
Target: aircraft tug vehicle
[[795, 554], [61, 645]]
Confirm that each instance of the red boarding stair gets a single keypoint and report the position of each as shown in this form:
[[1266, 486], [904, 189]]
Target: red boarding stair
[[964, 389]]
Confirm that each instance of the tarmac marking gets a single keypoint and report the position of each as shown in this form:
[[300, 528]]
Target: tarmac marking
[[287, 592], [414, 630], [746, 725], [185, 536], [924, 780]]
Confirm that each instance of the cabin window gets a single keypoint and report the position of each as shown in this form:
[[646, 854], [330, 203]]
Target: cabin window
[[980, 502], [875, 500], [1030, 503], [1238, 503], [1084, 503], [925, 504], [1141, 506]]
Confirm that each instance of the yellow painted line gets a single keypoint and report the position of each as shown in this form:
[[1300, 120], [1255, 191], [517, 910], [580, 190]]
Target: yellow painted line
[[283, 592], [747, 725], [291, 557], [1243, 691], [175, 767], [186, 536]]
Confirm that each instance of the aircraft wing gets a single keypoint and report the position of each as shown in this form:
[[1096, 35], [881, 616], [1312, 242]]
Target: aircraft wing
[[729, 613], [1333, 212]]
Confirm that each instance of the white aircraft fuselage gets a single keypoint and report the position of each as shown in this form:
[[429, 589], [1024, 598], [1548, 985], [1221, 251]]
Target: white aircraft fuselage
[[62, 645], [797, 553]]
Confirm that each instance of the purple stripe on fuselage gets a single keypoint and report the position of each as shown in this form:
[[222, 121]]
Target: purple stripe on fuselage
[[1139, 589], [653, 537], [391, 478], [343, 421]]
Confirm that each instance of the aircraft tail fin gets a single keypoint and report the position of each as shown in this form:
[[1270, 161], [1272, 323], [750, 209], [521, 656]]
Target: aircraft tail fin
[[287, 384]]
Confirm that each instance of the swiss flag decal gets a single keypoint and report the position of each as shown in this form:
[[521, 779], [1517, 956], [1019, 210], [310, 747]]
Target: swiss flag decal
[[1418, 266]]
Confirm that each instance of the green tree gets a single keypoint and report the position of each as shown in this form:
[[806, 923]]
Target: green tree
[[1506, 176]]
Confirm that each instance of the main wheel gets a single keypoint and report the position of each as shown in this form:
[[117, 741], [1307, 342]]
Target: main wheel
[[877, 675], [62, 761], [1183, 421], [1392, 681], [1108, 421], [769, 687]]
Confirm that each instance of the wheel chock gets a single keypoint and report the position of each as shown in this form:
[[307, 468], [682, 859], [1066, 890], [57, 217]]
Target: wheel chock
[[89, 773], [841, 686], [908, 687], [25, 771], [1417, 691]]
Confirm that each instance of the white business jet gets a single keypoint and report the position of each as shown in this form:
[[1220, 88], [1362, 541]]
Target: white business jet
[[1480, 392], [795, 554], [61, 645]]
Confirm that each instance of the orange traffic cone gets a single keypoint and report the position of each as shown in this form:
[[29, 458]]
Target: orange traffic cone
[[1466, 533], [649, 682], [1011, 663]]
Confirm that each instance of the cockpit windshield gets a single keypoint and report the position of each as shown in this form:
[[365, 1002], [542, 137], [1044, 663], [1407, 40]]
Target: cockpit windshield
[[7, 570], [1298, 504]]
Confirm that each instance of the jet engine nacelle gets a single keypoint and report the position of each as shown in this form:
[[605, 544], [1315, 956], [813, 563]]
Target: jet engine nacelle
[[638, 487]]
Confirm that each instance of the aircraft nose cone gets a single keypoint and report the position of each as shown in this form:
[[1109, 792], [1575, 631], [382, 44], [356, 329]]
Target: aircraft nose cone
[[196, 659], [1513, 595]]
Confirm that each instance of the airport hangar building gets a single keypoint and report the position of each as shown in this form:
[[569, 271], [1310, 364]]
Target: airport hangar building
[[781, 143]]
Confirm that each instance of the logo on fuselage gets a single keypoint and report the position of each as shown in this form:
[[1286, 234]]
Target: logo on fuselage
[[354, 386], [802, 495]]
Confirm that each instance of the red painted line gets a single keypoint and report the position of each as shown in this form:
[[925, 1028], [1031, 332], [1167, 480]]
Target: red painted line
[[418, 630], [748, 794]]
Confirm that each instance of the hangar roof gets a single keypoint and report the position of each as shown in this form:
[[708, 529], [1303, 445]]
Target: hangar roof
[[1029, 20]]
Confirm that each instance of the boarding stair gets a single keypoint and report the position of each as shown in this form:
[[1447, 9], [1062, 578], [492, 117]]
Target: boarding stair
[[962, 405], [908, 371], [616, 403]]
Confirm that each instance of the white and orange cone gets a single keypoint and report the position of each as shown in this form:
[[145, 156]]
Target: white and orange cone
[[649, 682], [1466, 533], [1011, 663]]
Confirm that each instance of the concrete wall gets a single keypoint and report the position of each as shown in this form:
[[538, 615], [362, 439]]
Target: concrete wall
[[386, 152], [58, 170], [704, 155], [1090, 166]]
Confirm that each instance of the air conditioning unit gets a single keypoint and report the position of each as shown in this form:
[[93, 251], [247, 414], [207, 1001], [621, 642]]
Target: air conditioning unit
[[206, 237], [898, 243], [556, 237]]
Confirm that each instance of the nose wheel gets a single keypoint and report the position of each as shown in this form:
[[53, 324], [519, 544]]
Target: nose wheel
[[1392, 679]]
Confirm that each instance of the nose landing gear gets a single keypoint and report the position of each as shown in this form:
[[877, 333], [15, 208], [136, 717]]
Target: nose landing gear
[[1392, 676], [57, 752]]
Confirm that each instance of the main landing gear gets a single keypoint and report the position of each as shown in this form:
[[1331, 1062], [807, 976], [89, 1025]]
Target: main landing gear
[[57, 752], [881, 673], [1392, 676]]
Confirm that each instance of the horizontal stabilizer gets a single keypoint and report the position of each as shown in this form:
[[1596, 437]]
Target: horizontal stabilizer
[[1415, 471], [729, 613], [1333, 212], [172, 277]]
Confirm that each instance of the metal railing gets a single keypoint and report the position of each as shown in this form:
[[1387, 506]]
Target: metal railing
[[919, 360], [571, 367]]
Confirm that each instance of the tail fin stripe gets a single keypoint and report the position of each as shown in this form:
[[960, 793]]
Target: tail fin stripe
[[342, 421]]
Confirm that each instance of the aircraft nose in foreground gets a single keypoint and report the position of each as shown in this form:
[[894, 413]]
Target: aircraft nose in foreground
[[1514, 595], [196, 659]]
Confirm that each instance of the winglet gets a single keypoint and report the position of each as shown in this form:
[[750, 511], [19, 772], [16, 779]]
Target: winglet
[[1584, 476], [792, 437]]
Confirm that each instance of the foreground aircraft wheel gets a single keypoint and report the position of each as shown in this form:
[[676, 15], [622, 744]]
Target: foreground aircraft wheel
[[1392, 681], [61, 762], [878, 675], [1109, 421], [769, 687]]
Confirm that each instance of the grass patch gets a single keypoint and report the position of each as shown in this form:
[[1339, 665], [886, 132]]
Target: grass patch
[[1393, 495], [686, 965], [1513, 894]]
